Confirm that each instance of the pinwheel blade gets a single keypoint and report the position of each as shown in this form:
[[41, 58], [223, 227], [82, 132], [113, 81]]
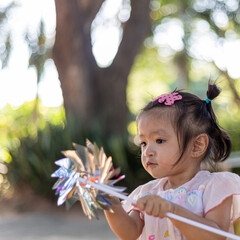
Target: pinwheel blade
[[92, 164]]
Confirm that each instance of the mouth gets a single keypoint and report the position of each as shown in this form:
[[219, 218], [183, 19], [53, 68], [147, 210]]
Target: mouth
[[151, 164]]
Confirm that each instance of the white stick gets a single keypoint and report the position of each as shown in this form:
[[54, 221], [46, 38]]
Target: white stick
[[106, 189], [203, 226]]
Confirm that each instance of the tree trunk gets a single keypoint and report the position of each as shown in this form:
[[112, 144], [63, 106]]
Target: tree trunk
[[182, 70], [92, 94], [181, 58]]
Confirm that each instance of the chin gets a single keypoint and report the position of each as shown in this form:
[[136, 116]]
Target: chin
[[156, 176], [159, 174]]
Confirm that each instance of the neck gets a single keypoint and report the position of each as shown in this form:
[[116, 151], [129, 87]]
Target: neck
[[178, 180]]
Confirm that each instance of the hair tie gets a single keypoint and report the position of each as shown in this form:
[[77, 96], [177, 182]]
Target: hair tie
[[208, 100]]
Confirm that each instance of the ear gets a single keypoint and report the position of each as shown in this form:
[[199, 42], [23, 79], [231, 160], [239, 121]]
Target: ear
[[200, 144]]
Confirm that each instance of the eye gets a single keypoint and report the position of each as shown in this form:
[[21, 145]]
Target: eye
[[160, 141], [143, 144]]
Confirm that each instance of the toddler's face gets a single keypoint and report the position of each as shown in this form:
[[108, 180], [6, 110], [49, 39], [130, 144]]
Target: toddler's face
[[159, 144]]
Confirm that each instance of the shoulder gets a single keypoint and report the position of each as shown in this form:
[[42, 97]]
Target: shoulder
[[221, 183], [223, 178], [220, 186], [209, 178]]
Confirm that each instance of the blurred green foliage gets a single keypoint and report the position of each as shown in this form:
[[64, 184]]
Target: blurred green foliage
[[26, 147], [31, 145], [32, 136]]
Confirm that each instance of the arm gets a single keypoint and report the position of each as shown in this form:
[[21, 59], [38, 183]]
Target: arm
[[219, 217], [125, 226]]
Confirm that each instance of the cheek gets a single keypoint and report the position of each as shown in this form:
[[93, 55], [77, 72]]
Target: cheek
[[143, 161], [169, 157], [167, 162]]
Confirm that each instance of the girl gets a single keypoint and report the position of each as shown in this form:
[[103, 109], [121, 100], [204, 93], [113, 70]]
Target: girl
[[177, 132]]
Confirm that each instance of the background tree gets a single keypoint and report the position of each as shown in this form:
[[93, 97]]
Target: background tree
[[40, 52], [161, 47], [91, 93], [219, 18], [5, 35], [83, 81]]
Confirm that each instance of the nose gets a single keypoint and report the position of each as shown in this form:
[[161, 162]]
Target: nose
[[149, 151]]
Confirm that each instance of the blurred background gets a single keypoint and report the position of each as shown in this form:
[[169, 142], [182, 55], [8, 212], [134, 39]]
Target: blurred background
[[71, 70]]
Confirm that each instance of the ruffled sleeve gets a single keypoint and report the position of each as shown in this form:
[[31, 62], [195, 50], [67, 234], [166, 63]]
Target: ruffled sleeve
[[221, 186], [127, 206]]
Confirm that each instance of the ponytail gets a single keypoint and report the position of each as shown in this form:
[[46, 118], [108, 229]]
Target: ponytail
[[220, 145]]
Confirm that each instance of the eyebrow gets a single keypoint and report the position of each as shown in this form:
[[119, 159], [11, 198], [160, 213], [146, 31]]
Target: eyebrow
[[158, 131]]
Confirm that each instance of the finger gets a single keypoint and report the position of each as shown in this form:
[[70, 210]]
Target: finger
[[141, 203], [165, 207], [162, 212], [149, 207], [156, 210], [158, 206]]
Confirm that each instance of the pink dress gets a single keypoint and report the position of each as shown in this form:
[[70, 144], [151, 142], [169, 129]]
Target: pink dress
[[201, 194]]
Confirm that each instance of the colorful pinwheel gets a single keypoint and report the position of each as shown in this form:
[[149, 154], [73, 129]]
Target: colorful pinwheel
[[88, 164]]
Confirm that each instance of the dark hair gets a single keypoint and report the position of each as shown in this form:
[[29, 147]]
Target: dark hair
[[193, 116]]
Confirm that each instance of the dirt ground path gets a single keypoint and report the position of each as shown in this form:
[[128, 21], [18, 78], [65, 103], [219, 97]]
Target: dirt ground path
[[53, 226], [26, 216]]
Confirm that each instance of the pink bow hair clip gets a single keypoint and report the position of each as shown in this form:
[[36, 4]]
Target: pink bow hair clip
[[170, 98]]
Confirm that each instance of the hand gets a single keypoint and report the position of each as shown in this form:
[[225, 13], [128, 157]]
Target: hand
[[155, 206]]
